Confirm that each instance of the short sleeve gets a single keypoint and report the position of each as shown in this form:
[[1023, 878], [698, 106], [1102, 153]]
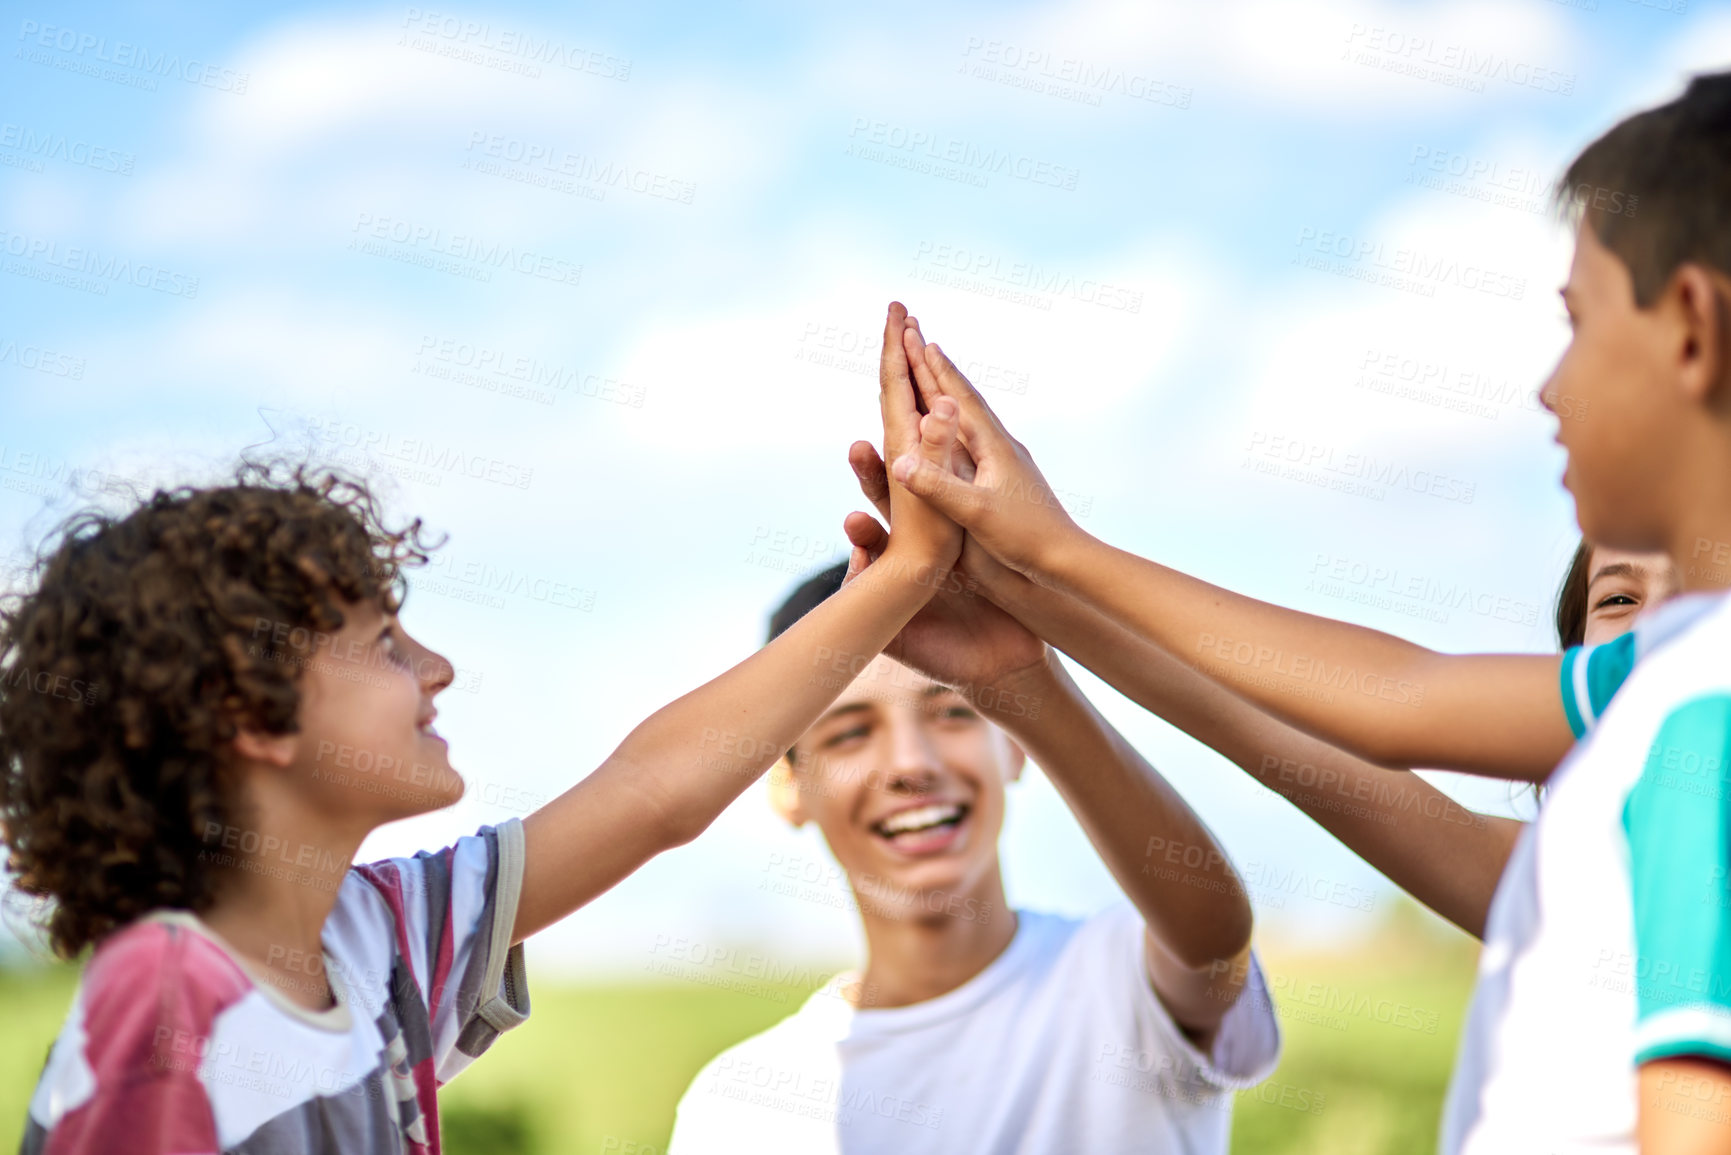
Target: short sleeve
[[124, 1073], [168, 1115], [454, 910], [1591, 677], [1678, 823], [1246, 1047]]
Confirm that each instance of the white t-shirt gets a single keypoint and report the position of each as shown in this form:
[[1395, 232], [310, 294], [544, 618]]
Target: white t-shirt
[[1608, 943], [1060, 1045]]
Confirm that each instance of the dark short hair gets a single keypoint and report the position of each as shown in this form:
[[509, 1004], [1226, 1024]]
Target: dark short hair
[[1656, 188], [804, 599]]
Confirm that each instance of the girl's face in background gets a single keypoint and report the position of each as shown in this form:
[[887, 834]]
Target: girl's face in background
[[1620, 585]]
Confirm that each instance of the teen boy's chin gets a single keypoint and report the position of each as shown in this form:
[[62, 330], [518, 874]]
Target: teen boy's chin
[[446, 787], [432, 783]]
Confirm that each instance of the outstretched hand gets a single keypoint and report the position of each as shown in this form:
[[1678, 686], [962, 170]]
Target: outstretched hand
[[987, 482], [924, 540], [959, 638]]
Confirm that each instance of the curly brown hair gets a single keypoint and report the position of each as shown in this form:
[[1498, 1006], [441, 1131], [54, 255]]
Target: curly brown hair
[[126, 670]]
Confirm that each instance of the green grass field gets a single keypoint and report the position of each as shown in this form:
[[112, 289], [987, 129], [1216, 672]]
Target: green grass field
[[1370, 1039]]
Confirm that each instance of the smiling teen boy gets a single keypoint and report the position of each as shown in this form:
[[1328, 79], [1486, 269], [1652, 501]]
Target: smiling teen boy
[[249, 991], [974, 1027], [1602, 1017]]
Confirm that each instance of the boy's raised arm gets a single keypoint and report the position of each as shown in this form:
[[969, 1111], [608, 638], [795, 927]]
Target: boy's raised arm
[[1198, 919], [1381, 698], [1447, 857], [678, 770], [1197, 914]]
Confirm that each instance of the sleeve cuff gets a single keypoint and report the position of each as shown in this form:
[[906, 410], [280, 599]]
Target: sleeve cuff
[[506, 981], [1572, 687], [1702, 1030], [1246, 1045]]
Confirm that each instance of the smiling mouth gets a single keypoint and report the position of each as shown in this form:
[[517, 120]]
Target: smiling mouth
[[939, 816]]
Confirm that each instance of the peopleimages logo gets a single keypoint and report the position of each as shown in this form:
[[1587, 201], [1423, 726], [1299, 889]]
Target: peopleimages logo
[[445, 34], [86, 48], [425, 243], [880, 139], [71, 150], [1415, 265], [103, 267], [438, 460], [41, 360], [1024, 276], [1360, 474], [1456, 65], [1069, 76]]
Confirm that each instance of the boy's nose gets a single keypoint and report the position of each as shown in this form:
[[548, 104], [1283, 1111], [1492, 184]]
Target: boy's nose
[[913, 781], [913, 759], [434, 670], [1547, 392]]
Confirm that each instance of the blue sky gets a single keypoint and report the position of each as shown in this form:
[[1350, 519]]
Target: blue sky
[[626, 265]]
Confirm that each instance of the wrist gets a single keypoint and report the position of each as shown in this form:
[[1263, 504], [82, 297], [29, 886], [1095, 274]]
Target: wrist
[[1020, 696], [1059, 556], [917, 566]]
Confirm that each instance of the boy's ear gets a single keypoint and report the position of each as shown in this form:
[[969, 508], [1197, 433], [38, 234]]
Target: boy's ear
[[271, 749], [1015, 759], [1701, 299], [784, 792]]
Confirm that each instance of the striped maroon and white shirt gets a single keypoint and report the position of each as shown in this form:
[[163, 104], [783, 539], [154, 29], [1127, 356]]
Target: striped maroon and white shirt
[[173, 1046]]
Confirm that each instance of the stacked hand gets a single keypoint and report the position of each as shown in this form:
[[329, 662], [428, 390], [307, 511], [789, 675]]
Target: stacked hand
[[960, 638], [987, 483], [925, 542]]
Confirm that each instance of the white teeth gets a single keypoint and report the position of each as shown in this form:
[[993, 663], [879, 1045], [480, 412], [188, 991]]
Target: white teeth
[[920, 818]]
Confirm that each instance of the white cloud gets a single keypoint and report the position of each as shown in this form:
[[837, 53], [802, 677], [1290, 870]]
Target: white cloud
[[1296, 55], [751, 317]]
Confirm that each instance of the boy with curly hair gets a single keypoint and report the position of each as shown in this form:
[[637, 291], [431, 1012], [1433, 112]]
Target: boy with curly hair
[[253, 708]]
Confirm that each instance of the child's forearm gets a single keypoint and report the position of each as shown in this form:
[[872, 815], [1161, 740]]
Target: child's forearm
[[1379, 697], [1197, 916], [1125, 806], [1442, 854], [1447, 857], [679, 769]]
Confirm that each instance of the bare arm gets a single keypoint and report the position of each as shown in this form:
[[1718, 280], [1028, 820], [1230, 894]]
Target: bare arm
[[1376, 695], [1685, 1107], [1198, 928], [1447, 857], [1196, 921], [681, 767], [1381, 698], [678, 770]]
